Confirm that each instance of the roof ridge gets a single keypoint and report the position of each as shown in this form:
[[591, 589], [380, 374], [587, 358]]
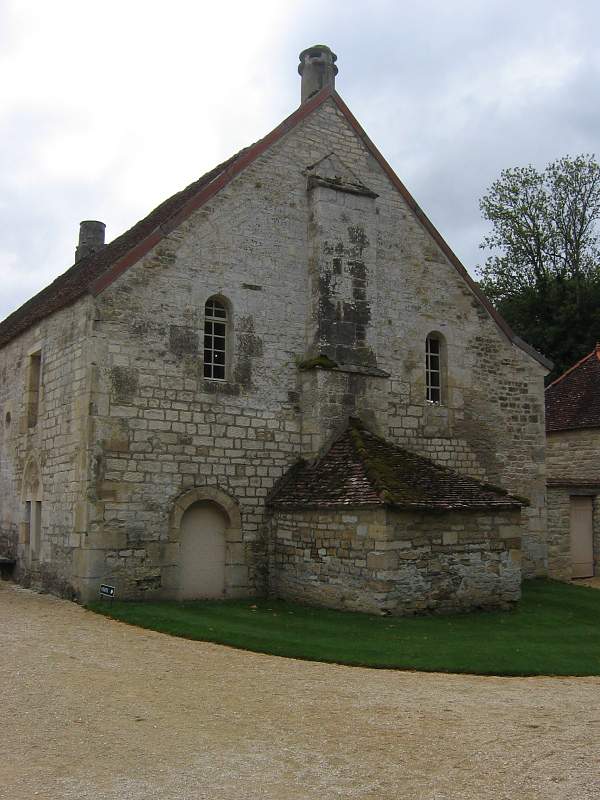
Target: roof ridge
[[571, 369], [205, 188], [355, 429]]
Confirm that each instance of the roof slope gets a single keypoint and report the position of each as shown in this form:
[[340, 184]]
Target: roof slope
[[573, 400], [78, 280], [96, 272], [361, 469]]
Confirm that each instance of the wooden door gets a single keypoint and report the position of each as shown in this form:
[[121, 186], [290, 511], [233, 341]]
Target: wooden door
[[582, 542], [202, 552]]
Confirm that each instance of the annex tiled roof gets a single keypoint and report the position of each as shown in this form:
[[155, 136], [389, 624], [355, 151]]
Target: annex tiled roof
[[94, 273], [573, 400], [361, 469]]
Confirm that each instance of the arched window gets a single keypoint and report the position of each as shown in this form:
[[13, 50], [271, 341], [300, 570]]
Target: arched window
[[216, 321], [435, 368]]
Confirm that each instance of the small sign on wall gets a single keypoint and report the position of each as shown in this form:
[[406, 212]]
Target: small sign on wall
[[106, 590]]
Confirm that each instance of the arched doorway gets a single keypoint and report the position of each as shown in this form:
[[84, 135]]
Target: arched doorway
[[202, 551]]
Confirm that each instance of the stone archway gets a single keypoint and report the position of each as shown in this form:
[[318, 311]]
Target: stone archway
[[206, 524]]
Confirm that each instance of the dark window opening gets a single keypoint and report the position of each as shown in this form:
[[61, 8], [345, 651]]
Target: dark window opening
[[33, 389], [433, 370], [215, 340]]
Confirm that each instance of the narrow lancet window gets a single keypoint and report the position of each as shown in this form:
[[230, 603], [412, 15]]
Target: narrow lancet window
[[33, 389], [215, 339], [433, 369]]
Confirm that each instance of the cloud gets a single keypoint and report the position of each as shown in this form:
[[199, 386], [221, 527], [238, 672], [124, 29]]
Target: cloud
[[112, 108]]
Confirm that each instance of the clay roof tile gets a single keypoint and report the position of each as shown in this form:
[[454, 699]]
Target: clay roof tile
[[573, 399], [361, 469]]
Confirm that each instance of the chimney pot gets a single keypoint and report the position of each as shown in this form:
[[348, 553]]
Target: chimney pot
[[91, 238], [317, 69]]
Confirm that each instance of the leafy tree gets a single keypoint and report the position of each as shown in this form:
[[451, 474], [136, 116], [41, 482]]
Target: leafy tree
[[543, 271], [560, 321]]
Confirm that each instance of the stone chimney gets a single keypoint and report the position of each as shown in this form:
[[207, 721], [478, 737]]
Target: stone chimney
[[317, 68], [91, 238]]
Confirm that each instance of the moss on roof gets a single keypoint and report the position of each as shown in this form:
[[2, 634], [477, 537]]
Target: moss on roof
[[361, 468]]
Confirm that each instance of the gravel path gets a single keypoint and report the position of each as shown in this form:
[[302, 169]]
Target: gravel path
[[93, 708]]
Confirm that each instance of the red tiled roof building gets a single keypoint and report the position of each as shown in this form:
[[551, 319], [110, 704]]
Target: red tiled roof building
[[573, 469]]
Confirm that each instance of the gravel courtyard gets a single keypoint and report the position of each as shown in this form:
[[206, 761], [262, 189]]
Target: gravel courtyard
[[92, 708]]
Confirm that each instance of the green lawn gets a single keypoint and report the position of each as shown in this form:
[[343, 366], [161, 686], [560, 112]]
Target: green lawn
[[555, 630]]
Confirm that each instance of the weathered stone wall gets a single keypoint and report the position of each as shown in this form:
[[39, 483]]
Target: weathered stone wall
[[573, 456], [399, 562], [573, 468], [53, 450], [160, 428], [265, 243], [559, 543]]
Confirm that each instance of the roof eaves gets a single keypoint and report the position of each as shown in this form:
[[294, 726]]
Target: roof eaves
[[571, 426], [325, 505], [527, 348], [569, 483], [433, 506], [441, 507]]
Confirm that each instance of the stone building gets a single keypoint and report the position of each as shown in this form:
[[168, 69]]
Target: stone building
[[573, 470], [276, 381]]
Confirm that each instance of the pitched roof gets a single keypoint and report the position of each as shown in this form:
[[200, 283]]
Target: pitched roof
[[80, 278], [99, 270], [361, 469], [573, 400]]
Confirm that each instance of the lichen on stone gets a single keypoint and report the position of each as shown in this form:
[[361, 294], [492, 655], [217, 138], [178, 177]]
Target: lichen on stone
[[322, 361]]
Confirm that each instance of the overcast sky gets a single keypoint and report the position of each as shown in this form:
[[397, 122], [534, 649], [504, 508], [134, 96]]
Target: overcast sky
[[108, 108]]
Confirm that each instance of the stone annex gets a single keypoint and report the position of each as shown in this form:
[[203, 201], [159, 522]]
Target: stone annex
[[281, 380], [573, 466]]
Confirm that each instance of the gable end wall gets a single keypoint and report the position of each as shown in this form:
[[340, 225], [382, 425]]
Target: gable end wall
[[162, 429]]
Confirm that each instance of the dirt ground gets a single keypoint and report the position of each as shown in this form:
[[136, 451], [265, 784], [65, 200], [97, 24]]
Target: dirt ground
[[93, 708]]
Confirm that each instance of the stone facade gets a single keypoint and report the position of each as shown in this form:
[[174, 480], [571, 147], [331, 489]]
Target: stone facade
[[307, 265], [573, 466], [46, 462], [397, 562]]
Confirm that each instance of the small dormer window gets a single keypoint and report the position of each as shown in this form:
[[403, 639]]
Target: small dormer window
[[216, 320]]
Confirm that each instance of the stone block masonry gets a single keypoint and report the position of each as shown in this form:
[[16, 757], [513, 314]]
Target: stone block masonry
[[128, 425], [396, 562], [43, 458], [573, 469]]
